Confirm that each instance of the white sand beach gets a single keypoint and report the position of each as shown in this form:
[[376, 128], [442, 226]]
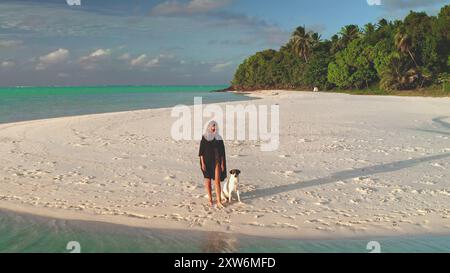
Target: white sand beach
[[347, 166]]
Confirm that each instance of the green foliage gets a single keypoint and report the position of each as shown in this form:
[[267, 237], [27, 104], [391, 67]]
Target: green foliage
[[316, 72], [409, 54], [353, 67], [269, 69], [444, 79]]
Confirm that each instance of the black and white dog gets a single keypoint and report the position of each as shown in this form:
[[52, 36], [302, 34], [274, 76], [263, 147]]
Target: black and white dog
[[231, 186]]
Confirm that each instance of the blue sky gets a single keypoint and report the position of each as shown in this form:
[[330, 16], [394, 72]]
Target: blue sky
[[161, 42]]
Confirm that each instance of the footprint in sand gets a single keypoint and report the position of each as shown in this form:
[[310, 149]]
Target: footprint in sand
[[286, 174], [255, 224], [361, 178], [118, 158], [59, 177], [323, 229], [237, 143], [366, 190], [79, 145], [438, 165], [444, 192], [284, 225]]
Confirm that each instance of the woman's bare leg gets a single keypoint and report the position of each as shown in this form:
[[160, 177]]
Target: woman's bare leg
[[208, 188], [218, 188]]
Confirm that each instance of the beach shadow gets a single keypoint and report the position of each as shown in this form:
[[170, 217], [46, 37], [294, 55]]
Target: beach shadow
[[440, 121], [217, 242], [344, 175], [433, 132]]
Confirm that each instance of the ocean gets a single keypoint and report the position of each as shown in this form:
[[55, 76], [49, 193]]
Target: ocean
[[30, 103], [32, 234]]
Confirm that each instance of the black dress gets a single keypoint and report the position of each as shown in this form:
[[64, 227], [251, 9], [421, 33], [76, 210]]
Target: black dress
[[213, 152]]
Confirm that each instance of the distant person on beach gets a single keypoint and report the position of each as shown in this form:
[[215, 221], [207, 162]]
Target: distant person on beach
[[213, 161]]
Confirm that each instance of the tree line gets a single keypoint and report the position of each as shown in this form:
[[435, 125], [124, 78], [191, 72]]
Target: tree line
[[391, 55]]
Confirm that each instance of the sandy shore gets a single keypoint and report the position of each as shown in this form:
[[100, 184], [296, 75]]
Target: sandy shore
[[348, 166]]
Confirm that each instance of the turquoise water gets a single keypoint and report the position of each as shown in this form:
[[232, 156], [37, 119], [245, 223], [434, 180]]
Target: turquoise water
[[29, 103], [25, 233]]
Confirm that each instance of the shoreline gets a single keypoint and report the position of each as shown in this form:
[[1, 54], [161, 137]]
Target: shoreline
[[400, 93], [80, 193], [92, 224]]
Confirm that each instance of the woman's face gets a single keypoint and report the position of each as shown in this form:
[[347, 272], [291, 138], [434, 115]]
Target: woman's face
[[212, 128]]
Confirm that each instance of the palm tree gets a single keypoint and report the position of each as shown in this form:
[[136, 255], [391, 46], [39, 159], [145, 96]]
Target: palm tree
[[348, 34], [369, 29], [316, 38], [398, 74], [382, 23], [335, 44], [303, 42], [403, 43]]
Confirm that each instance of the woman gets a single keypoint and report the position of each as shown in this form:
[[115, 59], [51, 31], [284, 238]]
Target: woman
[[213, 161]]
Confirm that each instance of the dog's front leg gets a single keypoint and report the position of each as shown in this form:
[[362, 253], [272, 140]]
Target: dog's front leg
[[239, 197]]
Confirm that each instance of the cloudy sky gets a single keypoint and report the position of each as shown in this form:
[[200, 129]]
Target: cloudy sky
[[162, 42]]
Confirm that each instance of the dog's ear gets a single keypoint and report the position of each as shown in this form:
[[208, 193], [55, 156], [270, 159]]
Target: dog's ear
[[238, 172], [232, 171]]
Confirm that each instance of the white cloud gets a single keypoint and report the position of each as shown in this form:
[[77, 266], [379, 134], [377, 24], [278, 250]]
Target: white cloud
[[97, 55], [221, 66], [53, 58], [100, 53], [152, 62], [73, 2], [374, 2], [173, 7], [139, 61], [145, 61], [404, 4], [91, 61]]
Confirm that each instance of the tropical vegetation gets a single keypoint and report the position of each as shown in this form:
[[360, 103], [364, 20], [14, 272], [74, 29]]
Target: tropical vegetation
[[408, 54]]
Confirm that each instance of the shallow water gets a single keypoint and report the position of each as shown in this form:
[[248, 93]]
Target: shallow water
[[29, 103], [26, 233]]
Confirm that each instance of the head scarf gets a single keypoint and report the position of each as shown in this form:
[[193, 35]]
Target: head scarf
[[208, 135]]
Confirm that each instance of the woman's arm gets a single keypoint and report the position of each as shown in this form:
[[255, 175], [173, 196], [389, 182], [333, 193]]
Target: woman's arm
[[223, 156], [203, 163]]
